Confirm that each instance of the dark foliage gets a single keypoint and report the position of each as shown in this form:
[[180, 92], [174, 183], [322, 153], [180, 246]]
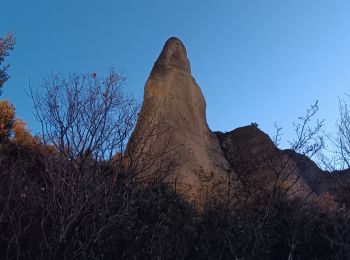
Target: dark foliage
[[137, 222]]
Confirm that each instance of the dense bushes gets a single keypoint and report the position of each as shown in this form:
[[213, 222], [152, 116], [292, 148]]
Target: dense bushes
[[62, 218], [86, 217]]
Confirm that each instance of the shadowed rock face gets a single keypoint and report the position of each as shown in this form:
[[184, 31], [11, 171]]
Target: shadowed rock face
[[255, 158], [174, 105]]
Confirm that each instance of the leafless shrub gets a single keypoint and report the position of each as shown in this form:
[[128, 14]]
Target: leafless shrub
[[308, 140]]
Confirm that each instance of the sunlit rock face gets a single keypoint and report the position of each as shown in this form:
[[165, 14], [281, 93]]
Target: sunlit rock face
[[172, 127]]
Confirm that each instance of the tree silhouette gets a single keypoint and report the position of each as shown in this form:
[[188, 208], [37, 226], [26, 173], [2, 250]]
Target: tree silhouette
[[6, 46]]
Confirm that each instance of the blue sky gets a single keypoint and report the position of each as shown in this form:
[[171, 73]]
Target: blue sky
[[256, 61]]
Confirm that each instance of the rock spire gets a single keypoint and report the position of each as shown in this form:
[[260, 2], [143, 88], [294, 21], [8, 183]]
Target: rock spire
[[172, 134]]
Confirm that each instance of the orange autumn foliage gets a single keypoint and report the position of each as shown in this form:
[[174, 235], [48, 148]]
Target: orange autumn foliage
[[7, 119], [22, 136], [15, 130]]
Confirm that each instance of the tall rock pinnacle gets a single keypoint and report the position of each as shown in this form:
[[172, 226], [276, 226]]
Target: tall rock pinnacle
[[172, 128]]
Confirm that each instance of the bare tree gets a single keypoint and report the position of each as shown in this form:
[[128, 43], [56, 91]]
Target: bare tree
[[92, 182], [6, 46], [85, 114], [336, 159], [269, 176], [308, 142], [88, 120], [338, 154]]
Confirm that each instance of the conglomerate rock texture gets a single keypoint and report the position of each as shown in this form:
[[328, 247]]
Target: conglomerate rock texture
[[172, 127]]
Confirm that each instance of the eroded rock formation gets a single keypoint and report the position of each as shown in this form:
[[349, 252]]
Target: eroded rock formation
[[172, 130], [172, 141]]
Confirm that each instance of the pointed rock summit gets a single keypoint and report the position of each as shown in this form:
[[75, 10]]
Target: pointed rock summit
[[172, 134], [173, 56]]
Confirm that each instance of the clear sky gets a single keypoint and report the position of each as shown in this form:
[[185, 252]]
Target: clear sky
[[258, 61]]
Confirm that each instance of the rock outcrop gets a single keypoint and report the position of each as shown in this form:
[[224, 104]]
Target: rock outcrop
[[172, 135], [258, 162], [255, 159]]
